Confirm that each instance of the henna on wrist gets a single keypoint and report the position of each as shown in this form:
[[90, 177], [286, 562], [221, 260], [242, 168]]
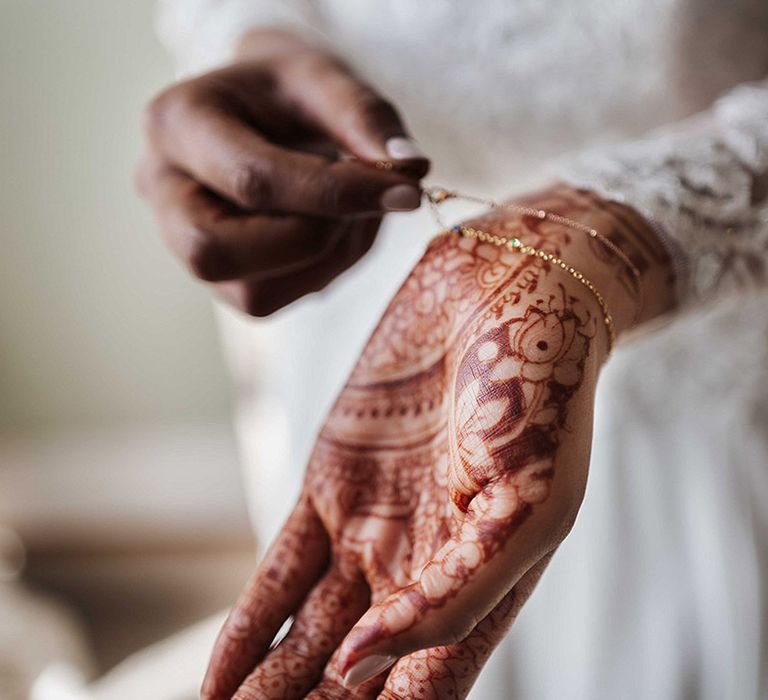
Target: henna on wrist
[[633, 236]]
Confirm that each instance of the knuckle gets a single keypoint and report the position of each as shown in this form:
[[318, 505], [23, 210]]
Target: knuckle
[[372, 108], [255, 301], [298, 646], [329, 192], [205, 256], [162, 111], [238, 625], [251, 186]]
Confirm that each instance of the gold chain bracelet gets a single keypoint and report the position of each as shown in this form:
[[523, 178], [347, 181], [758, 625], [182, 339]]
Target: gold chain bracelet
[[437, 195], [516, 245]]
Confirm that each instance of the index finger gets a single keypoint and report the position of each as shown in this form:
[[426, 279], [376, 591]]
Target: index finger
[[453, 669], [224, 153]]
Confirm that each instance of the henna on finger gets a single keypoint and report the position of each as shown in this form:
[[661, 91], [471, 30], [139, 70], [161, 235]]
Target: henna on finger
[[295, 665], [287, 573], [449, 672]]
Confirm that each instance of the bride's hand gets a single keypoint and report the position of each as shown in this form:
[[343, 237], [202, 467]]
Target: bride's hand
[[449, 470]]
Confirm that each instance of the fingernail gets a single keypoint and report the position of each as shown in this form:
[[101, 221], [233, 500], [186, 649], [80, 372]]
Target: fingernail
[[367, 668], [403, 148], [401, 198]]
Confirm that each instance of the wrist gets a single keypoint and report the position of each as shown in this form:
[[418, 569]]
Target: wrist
[[638, 243], [626, 261], [600, 253]]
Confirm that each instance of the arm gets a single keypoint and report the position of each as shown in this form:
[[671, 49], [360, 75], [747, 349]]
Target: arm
[[704, 184]]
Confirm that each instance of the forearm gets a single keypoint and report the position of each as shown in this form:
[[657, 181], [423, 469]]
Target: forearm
[[704, 182], [633, 301]]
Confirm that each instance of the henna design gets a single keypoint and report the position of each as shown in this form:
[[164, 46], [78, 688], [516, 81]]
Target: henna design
[[443, 444], [512, 390], [287, 573]]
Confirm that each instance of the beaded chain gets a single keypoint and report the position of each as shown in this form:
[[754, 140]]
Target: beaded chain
[[437, 195]]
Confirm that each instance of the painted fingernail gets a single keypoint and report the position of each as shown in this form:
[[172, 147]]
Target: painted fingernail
[[367, 668], [401, 198], [403, 148]]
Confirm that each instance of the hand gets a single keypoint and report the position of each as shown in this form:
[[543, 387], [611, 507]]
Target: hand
[[449, 470], [262, 174]]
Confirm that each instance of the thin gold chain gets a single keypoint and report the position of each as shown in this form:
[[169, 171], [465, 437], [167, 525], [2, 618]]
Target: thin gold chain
[[437, 195], [516, 245]]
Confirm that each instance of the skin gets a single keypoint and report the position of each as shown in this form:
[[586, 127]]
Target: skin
[[261, 174], [454, 461], [449, 470]]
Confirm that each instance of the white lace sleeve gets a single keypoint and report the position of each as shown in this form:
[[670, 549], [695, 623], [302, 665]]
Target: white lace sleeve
[[703, 183], [201, 34]]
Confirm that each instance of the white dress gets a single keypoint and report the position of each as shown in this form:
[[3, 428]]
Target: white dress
[[661, 590]]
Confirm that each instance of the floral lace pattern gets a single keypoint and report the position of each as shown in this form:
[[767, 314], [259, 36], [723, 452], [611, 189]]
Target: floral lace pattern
[[704, 184]]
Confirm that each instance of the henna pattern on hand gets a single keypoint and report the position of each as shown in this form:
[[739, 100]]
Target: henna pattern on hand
[[444, 443]]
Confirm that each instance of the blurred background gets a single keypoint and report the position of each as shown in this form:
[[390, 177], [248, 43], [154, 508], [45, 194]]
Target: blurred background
[[121, 512]]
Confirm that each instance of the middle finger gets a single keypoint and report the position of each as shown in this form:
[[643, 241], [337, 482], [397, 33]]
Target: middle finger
[[294, 666], [219, 242]]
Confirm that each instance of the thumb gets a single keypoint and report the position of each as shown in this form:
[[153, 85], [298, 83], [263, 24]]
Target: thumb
[[496, 544], [357, 117]]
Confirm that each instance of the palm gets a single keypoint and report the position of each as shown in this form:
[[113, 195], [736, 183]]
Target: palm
[[432, 487]]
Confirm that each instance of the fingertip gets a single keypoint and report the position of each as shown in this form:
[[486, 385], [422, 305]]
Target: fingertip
[[404, 148], [367, 668], [406, 156], [357, 646], [401, 198]]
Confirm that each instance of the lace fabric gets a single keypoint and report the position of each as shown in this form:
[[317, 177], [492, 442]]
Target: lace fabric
[[704, 183], [201, 33]]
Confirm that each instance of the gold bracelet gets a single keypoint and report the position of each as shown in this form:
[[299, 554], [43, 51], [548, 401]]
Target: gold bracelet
[[437, 195], [516, 245]]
